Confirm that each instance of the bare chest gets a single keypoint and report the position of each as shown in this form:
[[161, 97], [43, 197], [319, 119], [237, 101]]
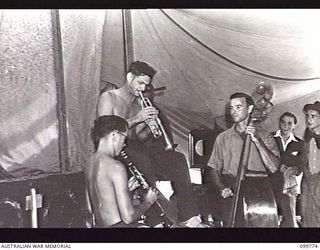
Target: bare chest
[[126, 109]]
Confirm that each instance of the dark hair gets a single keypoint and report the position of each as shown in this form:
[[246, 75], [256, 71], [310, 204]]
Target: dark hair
[[312, 106], [141, 68], [295, 120], [249, 99], [105, 125]]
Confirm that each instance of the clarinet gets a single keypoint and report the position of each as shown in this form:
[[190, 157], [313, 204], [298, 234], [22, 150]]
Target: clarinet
[[165, 221]]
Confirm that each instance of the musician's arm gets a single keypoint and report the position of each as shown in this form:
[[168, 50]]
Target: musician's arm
[[301, 158], [215, 176], [297, 162], [128, 212], [141, 116], [105, 104], [268, 151], [215, 164], [142, 132], [134, 120]]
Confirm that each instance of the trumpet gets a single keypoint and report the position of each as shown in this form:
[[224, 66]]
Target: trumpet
[[155, 124]]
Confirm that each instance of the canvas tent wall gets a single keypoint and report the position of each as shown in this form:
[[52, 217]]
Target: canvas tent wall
[[49, 74]]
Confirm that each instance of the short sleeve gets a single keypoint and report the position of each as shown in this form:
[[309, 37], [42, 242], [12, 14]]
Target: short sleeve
[[216, 158], [271, 144]]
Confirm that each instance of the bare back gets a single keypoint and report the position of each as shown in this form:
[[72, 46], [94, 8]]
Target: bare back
[[101, 175]]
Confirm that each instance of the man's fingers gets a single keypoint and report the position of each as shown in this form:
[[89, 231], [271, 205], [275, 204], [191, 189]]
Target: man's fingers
[[251, 127], [226, 195], [132, 179], [283, 168], [250, 130], [150, 112], [150, 109], [155, 192], [227, 192]]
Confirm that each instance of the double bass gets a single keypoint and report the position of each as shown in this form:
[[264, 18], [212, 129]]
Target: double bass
[[253, 203]]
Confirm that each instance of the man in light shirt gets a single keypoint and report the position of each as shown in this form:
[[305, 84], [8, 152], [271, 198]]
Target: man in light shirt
[[310, 190], [286, 180], [227, 150]]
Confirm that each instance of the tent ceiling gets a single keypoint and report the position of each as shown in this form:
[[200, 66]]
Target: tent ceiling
[[285, 42], [203, 56]]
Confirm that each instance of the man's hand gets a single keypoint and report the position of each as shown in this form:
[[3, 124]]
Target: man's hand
[[133, 183], [283, 168], [151, 195], [226, 193], [147, 113], [289, 170], [251, 130]]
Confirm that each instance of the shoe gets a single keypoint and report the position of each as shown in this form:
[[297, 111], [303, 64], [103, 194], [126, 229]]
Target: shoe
[[158, 226], [194, 222]]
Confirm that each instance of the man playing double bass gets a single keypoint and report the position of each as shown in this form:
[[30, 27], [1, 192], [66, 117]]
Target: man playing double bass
[[227, 150]]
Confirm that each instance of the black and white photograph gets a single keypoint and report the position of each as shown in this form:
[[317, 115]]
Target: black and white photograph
[[160, 120]]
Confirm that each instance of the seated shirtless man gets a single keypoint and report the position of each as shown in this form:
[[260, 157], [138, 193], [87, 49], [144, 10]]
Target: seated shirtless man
[[107, 179], [152, 160]]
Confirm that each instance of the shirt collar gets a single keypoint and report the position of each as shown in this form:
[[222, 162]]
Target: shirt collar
[[234, 130], [291, 136]]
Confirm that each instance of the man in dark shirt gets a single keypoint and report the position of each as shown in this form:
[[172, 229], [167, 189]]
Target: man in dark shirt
[[292, 159]]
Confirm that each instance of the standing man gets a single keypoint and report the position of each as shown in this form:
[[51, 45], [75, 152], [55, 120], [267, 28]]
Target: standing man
[[310, 190], [107, 179], [152, 160], [292, 160], [227, 149]]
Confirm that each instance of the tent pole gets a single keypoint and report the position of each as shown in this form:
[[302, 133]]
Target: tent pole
[[127, 37], [61, 101]]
